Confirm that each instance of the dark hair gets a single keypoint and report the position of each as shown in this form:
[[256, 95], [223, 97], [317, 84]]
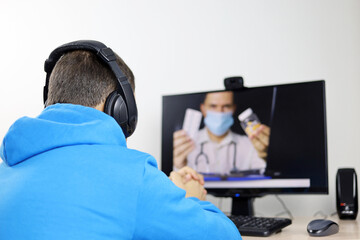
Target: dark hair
[[206, 94], [79, 77]]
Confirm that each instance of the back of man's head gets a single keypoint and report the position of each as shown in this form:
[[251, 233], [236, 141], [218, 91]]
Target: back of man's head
[[80, 77]]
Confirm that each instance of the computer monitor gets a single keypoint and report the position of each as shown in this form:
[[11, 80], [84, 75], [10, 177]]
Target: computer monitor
[[288, 120]]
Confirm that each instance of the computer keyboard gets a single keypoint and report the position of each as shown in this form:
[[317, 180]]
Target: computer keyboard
[[259, 226]]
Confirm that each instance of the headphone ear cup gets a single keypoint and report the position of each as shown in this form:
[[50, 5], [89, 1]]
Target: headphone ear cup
[[115, 106], [109, 103]]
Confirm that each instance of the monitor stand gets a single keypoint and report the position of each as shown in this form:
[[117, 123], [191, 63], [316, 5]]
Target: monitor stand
[[242, 206]]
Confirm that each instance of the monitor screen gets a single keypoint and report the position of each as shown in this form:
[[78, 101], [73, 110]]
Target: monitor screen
[[250, 141]]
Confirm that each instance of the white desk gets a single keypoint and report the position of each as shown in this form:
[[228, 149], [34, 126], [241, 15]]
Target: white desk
[[348, 229]]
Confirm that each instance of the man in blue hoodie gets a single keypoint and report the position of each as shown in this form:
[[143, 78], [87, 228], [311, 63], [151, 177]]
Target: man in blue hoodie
[[68, 174]]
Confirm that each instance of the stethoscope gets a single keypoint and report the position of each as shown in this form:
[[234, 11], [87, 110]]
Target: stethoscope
[[206, 157]]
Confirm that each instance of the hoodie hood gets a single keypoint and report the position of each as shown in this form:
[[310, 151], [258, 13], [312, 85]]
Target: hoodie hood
[[57, 126]]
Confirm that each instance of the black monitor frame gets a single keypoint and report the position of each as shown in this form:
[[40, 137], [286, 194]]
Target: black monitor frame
[[243, 197]]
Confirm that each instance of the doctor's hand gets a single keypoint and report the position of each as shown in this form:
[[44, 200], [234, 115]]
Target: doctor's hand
[[182, 146], [192, 187], [260, 140]]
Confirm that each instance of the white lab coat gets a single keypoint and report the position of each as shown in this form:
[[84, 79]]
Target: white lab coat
[[219, 158]]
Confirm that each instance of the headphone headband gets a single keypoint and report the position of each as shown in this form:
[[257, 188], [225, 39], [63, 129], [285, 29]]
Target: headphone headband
[[107, 56]]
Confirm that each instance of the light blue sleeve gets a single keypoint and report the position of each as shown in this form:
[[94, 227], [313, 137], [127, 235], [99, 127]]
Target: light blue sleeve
[[163, 212]]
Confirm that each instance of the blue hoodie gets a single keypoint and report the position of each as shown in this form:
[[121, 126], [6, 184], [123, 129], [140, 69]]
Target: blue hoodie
[[68, 174]]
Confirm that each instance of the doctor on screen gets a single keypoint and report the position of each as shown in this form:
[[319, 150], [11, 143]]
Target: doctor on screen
[[216, 149]]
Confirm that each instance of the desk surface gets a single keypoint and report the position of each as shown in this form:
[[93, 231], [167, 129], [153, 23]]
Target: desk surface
[[348, 229]]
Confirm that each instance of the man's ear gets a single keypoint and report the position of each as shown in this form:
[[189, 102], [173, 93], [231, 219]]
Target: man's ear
[[234, 108], [203, 110]]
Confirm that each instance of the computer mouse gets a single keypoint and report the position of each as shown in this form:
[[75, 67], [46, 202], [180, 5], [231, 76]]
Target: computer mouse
[[322, 227]]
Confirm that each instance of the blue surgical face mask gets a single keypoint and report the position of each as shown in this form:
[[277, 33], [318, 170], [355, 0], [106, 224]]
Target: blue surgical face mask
[[218, 122]]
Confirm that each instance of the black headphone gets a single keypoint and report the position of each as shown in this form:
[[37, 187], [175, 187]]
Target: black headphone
[[120, 104]]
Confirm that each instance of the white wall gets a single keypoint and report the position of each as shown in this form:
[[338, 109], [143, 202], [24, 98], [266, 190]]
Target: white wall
[[188, 46]]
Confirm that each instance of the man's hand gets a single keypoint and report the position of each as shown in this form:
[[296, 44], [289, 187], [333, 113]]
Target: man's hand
[[189, 180], [182, 146], [187, 174], [260, 140], [195, 189]]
